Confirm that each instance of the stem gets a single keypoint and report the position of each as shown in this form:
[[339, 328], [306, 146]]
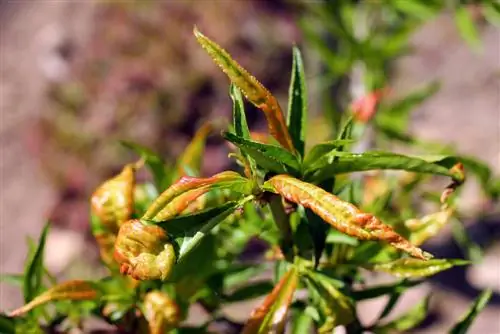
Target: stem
[[281, 218]]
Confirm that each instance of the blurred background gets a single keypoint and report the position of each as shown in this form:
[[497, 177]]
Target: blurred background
[[78, 76]]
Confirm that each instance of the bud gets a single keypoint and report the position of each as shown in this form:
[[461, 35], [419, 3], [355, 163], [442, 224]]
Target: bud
[[144, 251], [161, 312], [113, 201]]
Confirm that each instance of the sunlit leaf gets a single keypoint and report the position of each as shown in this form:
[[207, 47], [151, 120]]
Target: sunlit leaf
[[269, 157], [253, 90], [427, 226], [270, 316], [479, 304], [321, 149], [407, 321], [334, 307], [343, 162], [35, 270], [227, 180], [191, 159], [70, 290], [297, 103], [302, 323], [408, 267], [343, 216]]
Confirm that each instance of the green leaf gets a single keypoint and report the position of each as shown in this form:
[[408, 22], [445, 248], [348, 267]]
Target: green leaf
[[70, 290], [13, 279], [252, 291], [491, 12], [344, 162], [421, 10], [410, 267], [189, 162], [472, 250], [334, 307], [321, 149], [302, 323], [467, 27], [7, 324], [240, 122], [381, 290], [479, 304], [154, 162], [238, 274], [407, 321], [297, 103], [337, 237], [34, 273], [269, 157]]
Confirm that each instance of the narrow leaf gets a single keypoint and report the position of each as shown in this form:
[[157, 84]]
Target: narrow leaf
[[408, 320], [253, 90], [479, 304], [270, 316], [226, 179], [35, 270], [70, 290], [269, 157], [297, 103], [321, 149], [343, 162], [408, 267], [343, 216], [428, 226], [467, 28], [385, 289], [252, 291], [191, 159], [13, 279]]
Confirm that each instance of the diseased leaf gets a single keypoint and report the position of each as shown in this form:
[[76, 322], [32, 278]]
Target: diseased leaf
[[240, 125], [154, 162], [191, 159], [334, 307], [297, 103], [253, 90], [479, 304], [270, 316], [269, 157], [408, 267], [35, 270], [70, 290], [467, 28], [161, 312], [343, 162], [160, 209], [407, 321], [428, 226], [343, 216]]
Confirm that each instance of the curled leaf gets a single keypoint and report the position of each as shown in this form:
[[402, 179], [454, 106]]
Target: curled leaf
[[144, 252], [191, 159], [408, 267], [113, 201], [70, 290], [343, 216], [270, 316], [161, 312], [185, 184], [428, 226], [253, 90]]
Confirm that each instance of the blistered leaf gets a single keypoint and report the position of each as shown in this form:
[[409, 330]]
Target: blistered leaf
[[153, 161], [144, 252], [253, 90], [35, 270], [479, 304], [427, 226], [185, 184], [270, 157], [161, 312], [343, 216], [270, 316], [113, 201], [191, 159], [467, 27], [343, 162], [70, 290], [408, 267], [334, 307], [407, 321], [297, 103]]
